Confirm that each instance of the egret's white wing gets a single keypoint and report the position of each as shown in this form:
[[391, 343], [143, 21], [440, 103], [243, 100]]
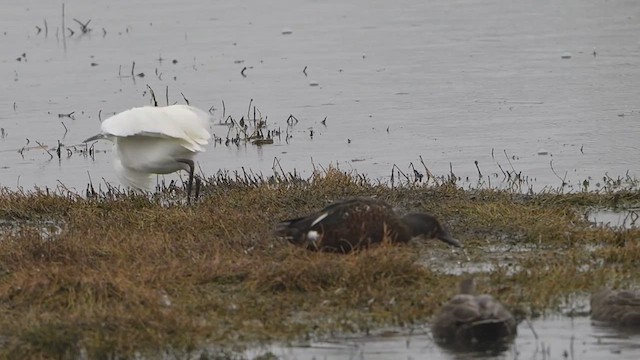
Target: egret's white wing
[[183, 122], [131, 178]]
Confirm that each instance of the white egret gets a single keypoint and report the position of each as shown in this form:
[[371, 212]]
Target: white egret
[[155, 140]]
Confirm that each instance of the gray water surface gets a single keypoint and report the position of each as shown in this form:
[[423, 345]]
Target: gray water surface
[[554, 338], [510, 83]]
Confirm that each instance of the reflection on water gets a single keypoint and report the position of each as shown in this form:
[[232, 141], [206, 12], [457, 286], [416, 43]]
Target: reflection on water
[[618, 218], [554, 338]]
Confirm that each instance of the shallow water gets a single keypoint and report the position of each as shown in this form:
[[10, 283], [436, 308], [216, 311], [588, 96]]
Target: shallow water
[[557, 338], [616, 218], [502, 82]]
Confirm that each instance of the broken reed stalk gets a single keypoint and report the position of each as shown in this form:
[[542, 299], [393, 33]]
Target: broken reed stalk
[[44, 148], [64, 37]]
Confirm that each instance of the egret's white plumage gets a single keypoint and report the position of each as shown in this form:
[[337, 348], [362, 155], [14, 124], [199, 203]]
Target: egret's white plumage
[[155, 140]]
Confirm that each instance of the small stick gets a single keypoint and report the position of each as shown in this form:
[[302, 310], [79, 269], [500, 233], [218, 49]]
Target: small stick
[[429, 174], [153, 95], [478, 167], [166, 94], [503, 173], [185, 98], [556, 174], [44, 148], [277, 161], [535, 334], [291, 119], [400, 171], [64, 37], [507, 156]]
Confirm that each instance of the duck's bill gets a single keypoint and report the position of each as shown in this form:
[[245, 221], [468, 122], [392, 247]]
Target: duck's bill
[[95, 137], [449, 240]]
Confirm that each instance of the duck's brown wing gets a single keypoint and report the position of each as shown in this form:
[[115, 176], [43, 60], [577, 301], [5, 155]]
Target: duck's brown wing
[[343, 226], [357, 224]]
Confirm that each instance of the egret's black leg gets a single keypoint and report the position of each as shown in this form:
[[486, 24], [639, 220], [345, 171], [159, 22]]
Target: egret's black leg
[[198, 184], [189, 163]]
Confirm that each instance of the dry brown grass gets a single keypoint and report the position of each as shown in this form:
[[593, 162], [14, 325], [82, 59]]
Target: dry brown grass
[[129, 274]]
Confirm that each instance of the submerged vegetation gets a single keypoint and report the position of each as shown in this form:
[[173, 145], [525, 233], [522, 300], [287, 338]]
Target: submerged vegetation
[[115, 274]]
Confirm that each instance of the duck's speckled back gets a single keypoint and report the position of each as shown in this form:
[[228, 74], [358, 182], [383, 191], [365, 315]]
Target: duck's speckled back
[[618, 307], [469, 319]]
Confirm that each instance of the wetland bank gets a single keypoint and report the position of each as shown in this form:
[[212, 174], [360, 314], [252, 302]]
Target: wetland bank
[[550, 87], [124, 275]]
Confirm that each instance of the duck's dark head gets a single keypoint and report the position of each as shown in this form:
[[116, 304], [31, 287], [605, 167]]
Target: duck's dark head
[[428, 226]]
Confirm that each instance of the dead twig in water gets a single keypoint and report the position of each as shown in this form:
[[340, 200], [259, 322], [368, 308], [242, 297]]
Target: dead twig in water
[[400, 172], [69, 115], [291, 120], [64, 37], [426, 169], [530, 325], [478, 167], [65, 129], [153, 95], [564, 183], [83, 26], [417, 176], [44, 148]]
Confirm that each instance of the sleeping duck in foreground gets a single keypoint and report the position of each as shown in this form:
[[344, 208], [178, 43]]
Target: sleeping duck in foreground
[[617, 307], [357, 223], [470, 321]]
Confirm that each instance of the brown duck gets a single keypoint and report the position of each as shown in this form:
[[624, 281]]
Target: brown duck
[[617, 307], [470, 321], [357, 223]]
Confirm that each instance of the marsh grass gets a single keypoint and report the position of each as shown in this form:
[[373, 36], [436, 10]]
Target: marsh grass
[[133, 274]]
